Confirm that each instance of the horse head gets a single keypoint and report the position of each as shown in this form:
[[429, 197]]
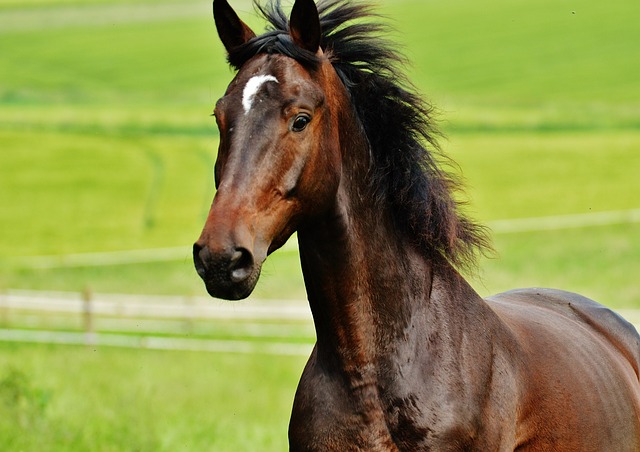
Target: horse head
[[278, 161]]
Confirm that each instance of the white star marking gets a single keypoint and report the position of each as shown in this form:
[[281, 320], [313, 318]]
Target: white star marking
[[251, 89]]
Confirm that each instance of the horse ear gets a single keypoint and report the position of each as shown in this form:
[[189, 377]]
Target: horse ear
[[232, 31], [304, 25]]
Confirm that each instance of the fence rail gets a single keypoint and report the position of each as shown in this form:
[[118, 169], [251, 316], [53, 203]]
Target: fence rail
[[145, 306], [281, 327], [186, 323], [155, 343]]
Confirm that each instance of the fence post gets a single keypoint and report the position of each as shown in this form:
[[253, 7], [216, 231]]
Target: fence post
[[87, 311], [4, 309], [189, 315]]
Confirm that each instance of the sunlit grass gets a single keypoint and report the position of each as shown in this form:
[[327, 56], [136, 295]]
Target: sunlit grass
[[115, 193], [106, 144], [61, 398]]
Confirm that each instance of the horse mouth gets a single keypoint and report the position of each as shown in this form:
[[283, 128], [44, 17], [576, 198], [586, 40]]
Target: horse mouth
[[230, 291], [228, 275]]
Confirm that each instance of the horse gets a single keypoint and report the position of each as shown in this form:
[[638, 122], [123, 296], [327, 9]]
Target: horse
[[322, 134]]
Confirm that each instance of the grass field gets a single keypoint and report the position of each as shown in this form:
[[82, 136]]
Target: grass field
[[106, 144], [59, 398]]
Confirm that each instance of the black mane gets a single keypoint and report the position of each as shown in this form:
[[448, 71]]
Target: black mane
[[407, 172]]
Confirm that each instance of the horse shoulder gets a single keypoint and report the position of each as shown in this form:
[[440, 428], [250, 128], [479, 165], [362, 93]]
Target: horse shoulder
[[460, 390]]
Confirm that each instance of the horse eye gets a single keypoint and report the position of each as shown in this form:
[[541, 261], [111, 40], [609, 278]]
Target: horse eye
[[300, 123]]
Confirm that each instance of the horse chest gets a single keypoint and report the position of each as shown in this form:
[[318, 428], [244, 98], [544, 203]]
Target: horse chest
[[327, 415]]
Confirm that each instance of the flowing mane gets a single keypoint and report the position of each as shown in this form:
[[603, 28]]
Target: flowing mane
[[407, 172]]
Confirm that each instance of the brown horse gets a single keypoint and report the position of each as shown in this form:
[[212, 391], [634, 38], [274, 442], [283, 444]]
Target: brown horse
[[320, 134]]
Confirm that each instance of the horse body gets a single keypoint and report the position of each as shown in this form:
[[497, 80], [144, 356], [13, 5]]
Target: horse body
[[579, 371], [408, 355]]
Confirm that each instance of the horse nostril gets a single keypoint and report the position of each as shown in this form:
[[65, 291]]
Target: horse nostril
[[200, 255], [241, 265], [233, 267]]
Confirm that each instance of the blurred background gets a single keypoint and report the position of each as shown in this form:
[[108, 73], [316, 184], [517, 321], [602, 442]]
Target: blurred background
[[106, 161]]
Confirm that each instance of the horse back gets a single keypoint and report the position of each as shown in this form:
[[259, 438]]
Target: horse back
[[579, 370]]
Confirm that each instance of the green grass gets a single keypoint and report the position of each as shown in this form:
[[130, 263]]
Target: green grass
[[543, 53], [519, 175], [157, 202], [55, 398], [106, 144], [592, 261], [36, 4], [82, 192], [529, 175]]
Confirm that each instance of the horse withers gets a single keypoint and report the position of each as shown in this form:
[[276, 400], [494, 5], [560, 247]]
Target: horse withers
[[320, 134]]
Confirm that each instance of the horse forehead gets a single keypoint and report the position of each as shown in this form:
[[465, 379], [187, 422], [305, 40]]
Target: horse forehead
[[252, 87], [292, 80]]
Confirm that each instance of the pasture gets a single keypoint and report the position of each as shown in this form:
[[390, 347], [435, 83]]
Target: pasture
[[61, 398], [106, 145]]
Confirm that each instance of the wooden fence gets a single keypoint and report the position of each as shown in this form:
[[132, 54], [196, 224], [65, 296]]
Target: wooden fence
[[196, 323]]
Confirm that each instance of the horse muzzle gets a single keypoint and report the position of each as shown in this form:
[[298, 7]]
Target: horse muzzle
[[230, 273], [235, 241]]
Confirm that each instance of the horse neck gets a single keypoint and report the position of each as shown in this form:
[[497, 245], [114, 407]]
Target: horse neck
[[370, 289]]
